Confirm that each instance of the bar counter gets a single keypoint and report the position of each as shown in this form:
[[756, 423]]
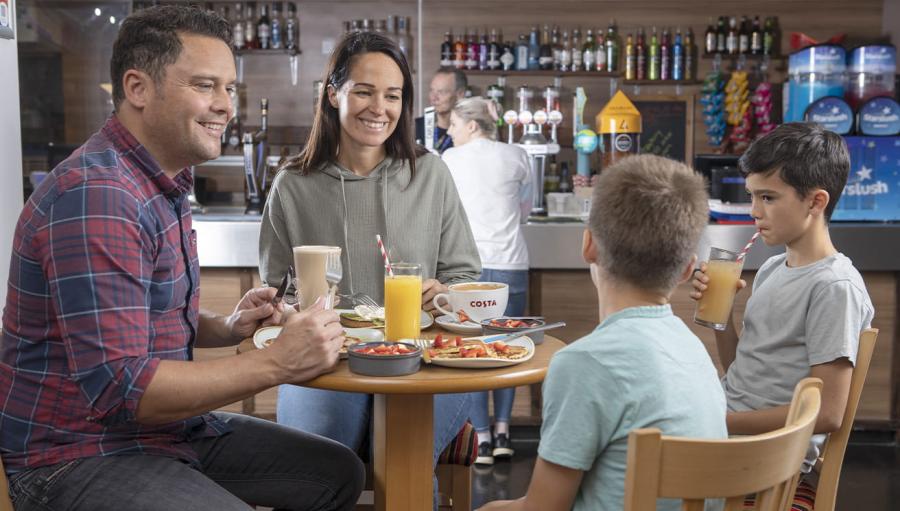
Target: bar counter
[[560, 289]]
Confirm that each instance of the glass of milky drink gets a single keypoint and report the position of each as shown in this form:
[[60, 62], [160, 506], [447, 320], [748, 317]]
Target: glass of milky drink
[[309, 262], [724, 270]]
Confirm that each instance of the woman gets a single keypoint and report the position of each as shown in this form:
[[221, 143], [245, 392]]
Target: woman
[[494, 182], [361, 175]]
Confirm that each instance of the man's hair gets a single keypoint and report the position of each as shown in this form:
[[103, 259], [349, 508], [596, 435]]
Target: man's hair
[[149, 41], [806, 157], [646, 219], [460, 82], [478, 110]]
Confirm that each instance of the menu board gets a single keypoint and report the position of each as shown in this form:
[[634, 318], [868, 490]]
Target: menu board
[[667, 126]]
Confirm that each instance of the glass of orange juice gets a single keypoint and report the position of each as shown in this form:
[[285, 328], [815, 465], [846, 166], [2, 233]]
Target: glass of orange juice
[[402, 301], [724, 270]]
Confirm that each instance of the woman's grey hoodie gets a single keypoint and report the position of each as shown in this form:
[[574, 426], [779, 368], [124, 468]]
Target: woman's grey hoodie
[[420, 221]]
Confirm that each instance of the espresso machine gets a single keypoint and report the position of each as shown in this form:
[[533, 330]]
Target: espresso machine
[[533, 141]]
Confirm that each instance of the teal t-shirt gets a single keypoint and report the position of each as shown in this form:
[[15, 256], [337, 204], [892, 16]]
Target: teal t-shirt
[[641, 368]]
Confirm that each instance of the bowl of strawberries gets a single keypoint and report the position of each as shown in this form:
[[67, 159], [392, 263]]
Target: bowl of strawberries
[[384, 358]]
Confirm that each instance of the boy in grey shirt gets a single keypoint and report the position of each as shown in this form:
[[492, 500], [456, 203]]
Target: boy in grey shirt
[[809, 304]]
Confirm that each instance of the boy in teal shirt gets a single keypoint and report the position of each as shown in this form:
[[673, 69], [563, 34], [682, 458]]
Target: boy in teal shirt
[[641, 367]]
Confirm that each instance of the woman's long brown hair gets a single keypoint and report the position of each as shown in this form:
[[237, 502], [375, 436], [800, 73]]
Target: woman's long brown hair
[[322, 146]]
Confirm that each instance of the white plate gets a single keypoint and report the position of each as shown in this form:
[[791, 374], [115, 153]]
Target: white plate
[[450, 323], [488, 363], [426, 319], [364, 334]]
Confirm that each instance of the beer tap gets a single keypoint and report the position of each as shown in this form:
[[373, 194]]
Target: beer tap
[[255, 166]]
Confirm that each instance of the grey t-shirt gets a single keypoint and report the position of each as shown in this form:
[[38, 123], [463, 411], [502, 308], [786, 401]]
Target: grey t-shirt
[[796, 318]]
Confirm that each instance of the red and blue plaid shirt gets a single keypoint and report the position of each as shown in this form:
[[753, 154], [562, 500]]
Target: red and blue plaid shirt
[[103, 285]]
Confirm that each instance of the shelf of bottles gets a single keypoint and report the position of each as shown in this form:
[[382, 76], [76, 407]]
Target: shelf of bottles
[[730, 38], [542, 72]]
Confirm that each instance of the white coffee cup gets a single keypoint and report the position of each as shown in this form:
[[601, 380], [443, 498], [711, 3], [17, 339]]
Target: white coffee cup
[[479, 300]]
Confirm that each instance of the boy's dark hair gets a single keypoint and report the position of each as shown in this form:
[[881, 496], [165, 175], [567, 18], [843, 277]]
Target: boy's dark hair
[[149, 40], [460, 82], [806, 157], [646, 219]]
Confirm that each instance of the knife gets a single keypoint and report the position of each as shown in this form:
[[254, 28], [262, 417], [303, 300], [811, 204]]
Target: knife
[[523, 333], [283, 287]]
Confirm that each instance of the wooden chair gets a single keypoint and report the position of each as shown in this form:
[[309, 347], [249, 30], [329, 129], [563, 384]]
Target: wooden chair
[[5, 503], [832, 459], [694, 469]]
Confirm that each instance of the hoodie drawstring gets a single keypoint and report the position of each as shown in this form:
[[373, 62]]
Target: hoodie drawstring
[[346, 236]]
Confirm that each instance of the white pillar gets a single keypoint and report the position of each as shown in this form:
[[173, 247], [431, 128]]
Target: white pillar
[[10, 152]]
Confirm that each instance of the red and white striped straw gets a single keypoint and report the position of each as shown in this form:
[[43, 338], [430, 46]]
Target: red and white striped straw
[[748, 246], [387, 263]]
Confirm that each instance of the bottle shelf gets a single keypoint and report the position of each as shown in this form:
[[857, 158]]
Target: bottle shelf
[[749, 56], [543, 72], [663, 82], [257, 51]]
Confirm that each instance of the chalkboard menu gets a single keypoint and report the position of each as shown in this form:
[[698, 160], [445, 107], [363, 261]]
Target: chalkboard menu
[[667, 127]]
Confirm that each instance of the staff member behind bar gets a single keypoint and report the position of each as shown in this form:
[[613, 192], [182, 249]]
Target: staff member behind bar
[[359, 175], [102, 404], [447, 87], [494, 184]]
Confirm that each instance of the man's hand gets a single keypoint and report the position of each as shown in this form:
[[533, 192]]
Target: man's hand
[[701, 282], [430, 289], [253, 311], [309, 343]]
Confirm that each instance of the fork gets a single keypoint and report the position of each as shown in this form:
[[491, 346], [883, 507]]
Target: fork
[[359, 299], [425, 344]]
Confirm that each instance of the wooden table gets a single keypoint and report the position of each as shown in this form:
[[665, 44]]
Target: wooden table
[[404, 411]]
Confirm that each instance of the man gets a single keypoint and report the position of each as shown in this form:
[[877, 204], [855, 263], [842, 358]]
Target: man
[[447, 87], [102, 406]]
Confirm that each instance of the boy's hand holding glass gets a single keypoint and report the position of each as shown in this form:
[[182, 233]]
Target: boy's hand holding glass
[[715, 310]]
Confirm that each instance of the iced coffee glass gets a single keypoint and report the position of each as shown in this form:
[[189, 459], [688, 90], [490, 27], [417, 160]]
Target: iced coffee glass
[[724, 270], [309, 262]]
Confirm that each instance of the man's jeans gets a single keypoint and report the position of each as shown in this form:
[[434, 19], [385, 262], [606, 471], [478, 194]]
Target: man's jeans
[[258, 462]]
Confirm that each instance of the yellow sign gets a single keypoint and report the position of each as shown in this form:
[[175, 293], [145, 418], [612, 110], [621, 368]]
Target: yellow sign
[[619, 116]]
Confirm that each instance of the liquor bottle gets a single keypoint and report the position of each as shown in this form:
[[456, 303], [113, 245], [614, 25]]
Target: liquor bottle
[[459, 50], [577, 56], [565, 54], [769, 29], [587, 51], [483, 48], [678, 56], [238, 30], [629, 58], [534, 49], [641, 53], [612, 47], [472, 51], [277, 39], [291, 32], [545, 55], [264, 28], [665, 56], [709, 40], [522, 53], [600, 52], [556, 45], [744, 36], [731, 42], [447, 50], [756, 38], [404, 38], [722, 35], [508, 58], [494, 52], [390, 28], [564, 185], [496, 92], [690, 55], [250, 40], [551, 179], [653, 57]]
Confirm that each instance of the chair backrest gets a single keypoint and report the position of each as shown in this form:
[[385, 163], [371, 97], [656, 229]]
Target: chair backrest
[[695, 469], [832, 458], [5, 503]]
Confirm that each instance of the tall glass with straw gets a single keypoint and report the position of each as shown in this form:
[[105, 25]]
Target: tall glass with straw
[[402, 298], [724, 270]]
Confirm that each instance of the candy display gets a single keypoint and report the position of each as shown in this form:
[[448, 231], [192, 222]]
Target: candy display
[[762, 108], [712, 99]]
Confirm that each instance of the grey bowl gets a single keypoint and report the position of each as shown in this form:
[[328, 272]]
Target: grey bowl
[[383, 365], [537, 337]]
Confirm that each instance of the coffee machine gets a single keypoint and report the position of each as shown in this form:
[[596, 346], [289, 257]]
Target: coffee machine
[[533, 140]]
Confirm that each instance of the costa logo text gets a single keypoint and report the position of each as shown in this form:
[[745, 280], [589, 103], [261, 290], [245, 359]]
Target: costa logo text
[[483, 303]]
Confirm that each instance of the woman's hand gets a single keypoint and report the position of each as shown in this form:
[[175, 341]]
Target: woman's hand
[[430, 289]]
